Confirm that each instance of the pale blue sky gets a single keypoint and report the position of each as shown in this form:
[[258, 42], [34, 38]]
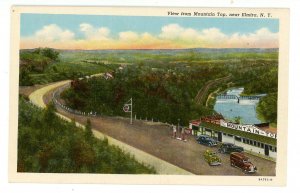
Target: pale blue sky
[[30, 23]]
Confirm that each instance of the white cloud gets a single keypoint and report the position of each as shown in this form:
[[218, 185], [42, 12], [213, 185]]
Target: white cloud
[[171, 36], [260, 38], [128, 36], [92, 33], [171, 31], [176, 32], [190, 35], [214, 37], [265, 32], [53, 32], [85, 27]]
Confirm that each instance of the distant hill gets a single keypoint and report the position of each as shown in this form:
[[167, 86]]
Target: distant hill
[[196, 50]]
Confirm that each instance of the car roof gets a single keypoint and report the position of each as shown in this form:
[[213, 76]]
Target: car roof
[[226, 143], [204, 136], [241, 155]]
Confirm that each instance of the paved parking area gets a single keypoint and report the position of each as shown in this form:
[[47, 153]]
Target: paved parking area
[[156, 139]]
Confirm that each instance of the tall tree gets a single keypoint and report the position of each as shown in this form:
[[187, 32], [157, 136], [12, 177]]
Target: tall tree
[[49, 114], [88, 130]]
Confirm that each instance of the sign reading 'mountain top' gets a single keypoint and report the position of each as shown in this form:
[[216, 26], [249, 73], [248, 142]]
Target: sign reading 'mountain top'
[[247, 128]]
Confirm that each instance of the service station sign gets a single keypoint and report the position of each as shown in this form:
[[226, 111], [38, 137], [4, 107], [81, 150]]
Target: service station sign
[[247, 128]]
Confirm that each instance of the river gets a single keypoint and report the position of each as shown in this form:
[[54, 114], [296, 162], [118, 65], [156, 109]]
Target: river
[[230, 108]]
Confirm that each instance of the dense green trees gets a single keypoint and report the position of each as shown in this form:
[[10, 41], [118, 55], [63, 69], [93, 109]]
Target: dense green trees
[[45, 65], [49, 144], [88, 130], [163, 86], [47, 52], [35, 61], [38, 59], [265, 81], [165, 94], [267, 108]]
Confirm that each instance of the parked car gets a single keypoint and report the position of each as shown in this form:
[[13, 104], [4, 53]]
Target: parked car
[[211, 158], [238, 159], [229, 148], [206, 140]]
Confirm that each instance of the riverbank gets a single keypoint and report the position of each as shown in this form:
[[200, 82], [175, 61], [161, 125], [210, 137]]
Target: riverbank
[[211, 99], [244, 109]]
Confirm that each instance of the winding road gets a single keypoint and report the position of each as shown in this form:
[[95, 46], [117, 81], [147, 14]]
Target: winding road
[[40, 98], [151, 143]]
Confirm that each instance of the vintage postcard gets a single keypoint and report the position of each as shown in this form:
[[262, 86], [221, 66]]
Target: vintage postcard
[[145, 95]]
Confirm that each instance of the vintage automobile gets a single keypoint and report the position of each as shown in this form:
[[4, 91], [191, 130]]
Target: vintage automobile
[[229, 147], [238, 159], [211, 158], [206, 140]]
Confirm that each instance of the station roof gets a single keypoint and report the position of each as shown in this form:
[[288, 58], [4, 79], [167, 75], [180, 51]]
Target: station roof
[[252, 136]]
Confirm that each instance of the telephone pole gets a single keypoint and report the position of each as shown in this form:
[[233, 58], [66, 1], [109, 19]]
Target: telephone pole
[[131, 111]]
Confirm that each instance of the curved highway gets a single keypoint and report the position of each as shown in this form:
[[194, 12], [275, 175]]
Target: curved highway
[[161, 166], [151, 142]]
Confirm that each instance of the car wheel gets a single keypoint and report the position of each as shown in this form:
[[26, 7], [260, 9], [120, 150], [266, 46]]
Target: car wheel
[[209, 144]]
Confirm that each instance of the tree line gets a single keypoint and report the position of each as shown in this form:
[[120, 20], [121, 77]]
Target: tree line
[[46, 65], [265, 82], [35, 61], [164, 94]]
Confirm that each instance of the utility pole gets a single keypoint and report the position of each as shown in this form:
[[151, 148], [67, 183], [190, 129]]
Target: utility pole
[[131, 112], [127, 108]]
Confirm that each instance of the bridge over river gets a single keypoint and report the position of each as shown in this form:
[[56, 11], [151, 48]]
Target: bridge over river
[[232, 103], [231, 96]]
